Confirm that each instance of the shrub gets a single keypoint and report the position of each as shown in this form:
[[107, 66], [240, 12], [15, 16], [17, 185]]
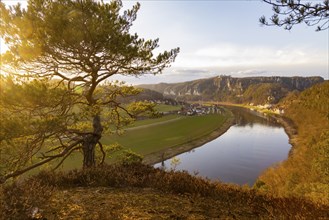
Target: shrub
[[20, 200], [130, 157], [23, 200]]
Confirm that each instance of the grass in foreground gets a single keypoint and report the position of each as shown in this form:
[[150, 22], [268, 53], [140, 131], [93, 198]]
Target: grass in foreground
[[137, 191]]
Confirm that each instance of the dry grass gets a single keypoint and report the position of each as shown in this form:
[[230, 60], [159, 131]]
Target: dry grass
[[141, 192]]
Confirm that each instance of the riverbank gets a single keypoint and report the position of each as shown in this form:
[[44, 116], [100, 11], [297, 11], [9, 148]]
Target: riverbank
[[290, 129], [159, 156], [287, 124], [305, 172]]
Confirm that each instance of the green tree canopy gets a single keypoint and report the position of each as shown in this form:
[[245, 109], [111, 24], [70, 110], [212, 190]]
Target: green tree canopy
[[61, 57]]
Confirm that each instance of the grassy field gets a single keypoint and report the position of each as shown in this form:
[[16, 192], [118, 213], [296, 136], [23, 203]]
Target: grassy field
[[155, 137], [167, 108], [153, 120]]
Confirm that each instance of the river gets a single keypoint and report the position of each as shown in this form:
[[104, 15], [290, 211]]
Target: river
[[240, 155]]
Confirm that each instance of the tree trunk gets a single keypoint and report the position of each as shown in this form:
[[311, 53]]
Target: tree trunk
[[90, 142]]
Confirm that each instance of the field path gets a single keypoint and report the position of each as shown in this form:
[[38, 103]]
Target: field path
[[153, 124]]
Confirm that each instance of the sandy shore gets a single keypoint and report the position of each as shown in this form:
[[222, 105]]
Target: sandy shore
[[165, 154]]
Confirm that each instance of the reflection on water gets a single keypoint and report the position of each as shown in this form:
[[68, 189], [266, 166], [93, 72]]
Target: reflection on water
[[244, 117], [241, 154]]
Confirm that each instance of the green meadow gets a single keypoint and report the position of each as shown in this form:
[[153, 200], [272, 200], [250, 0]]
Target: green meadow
[[167, 108], [153, 121], [157, 136], [152, 135]]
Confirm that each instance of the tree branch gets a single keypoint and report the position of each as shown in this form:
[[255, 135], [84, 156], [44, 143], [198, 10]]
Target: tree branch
[[19, 172], [295, 12], [64, 158]]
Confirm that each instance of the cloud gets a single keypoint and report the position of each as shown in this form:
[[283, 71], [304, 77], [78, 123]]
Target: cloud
[[251, 72], [233, 55], [189, 71], [171, 75]]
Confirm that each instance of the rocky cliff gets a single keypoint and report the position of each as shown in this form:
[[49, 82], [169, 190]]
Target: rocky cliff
[[227, 88]]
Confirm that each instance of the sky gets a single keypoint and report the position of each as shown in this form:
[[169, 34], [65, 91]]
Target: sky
[[218, 37]]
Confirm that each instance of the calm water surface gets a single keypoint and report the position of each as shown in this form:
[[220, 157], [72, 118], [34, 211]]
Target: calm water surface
[[241, 154]]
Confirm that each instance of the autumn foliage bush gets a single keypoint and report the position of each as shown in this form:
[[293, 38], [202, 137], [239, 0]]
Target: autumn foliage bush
[[135, 175]]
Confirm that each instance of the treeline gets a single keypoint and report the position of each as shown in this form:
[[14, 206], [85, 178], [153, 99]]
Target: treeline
[[148, 95], [306, 172], [257, 90]]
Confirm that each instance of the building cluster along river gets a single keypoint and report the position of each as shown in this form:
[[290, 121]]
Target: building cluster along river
[[241, 154]]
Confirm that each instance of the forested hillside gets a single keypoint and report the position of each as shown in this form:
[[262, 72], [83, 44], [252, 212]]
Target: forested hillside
[[306, 172], [257, 90]]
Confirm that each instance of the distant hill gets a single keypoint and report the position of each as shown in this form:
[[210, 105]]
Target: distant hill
[[149, 95], [258, 90], [146, 94]]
